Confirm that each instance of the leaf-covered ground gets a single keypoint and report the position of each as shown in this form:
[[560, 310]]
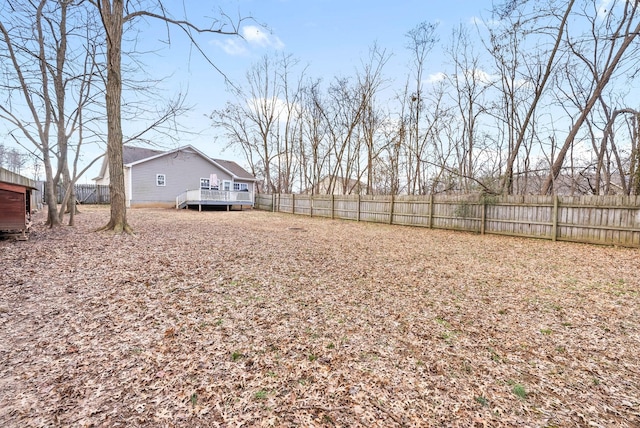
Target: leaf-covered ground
[[259, 319]]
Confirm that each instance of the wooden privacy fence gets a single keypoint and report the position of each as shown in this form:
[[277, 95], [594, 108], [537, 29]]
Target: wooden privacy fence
[[85, 193], [609, 220]]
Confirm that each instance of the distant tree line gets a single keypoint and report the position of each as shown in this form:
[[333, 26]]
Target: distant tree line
[[13, 159], [538, 99]]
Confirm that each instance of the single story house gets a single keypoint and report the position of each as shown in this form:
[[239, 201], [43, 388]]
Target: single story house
[[181, 177], [16, 201]]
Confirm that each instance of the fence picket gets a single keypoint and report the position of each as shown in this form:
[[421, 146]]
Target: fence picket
[[609, 220]]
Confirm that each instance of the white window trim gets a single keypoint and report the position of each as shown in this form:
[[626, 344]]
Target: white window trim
[[205, 180], [240, 187], [164, 180], [226, 185]]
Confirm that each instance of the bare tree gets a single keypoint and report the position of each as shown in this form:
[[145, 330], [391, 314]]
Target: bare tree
[[371, 81], [114, 16], [505, 49], [342, 114], [421, 40], [251, 121], [313, 140], [37, 47], [469, 84], [612, 34], [634, 157]]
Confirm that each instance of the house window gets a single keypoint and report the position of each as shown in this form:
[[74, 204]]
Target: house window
[[226, 185], [240, 187], [161, 180], [204, 183]]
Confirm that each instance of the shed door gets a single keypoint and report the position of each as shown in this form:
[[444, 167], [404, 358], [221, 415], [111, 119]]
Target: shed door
[[13, 212]]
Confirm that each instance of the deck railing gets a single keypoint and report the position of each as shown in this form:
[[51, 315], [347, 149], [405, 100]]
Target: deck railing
[[207, 195]]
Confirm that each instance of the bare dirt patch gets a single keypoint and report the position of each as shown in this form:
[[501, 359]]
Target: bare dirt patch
[[260, 319]]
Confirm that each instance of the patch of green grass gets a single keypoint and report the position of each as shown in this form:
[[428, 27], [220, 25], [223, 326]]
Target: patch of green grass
[[446, 335], [313, 357], [194, 399], [494, 355], [219, 322], [327, 419], [442, 322], [331, 346], [483, 401], [261, 395], [502, 312], [235, 355], [519, 390], [546, 331]]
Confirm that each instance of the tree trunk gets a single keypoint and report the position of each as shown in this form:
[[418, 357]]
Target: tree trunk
[[112, 16], [50, 195]]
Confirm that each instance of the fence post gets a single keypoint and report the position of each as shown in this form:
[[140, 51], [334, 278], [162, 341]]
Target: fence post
[[391, 211], [431, 212], [358, 207], [332, 206], [293, 203], [554, 228], [484, 216], [311, 206]]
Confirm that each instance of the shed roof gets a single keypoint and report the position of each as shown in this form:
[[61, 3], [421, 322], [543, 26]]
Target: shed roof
[[7, 176]]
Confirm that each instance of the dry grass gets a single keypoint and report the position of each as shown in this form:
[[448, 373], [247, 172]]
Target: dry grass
[[259, 319]]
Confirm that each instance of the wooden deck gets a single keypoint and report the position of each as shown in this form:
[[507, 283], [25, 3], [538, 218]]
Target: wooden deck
[[200, 197]]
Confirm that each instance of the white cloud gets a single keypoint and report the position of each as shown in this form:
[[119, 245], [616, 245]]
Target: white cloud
[[252, 36], [604, 8], [481, 76], [436, 77], [278, 106], [233, 47], [257, 36]]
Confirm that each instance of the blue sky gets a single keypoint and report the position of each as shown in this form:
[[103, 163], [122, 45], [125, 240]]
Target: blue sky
[[330, 36], [333, 36]]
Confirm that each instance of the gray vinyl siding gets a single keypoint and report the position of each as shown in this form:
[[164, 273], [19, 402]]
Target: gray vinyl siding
[[183, 171]]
